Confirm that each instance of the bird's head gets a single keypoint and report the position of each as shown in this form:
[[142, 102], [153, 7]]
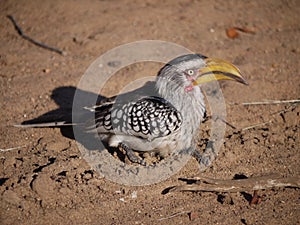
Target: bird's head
[[191, 70]]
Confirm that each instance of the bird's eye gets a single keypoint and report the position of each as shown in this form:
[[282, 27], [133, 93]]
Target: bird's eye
[[190, 72]]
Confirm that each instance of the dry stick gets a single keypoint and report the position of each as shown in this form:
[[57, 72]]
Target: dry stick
[[269, 102], [255, 125], [173, 215], [10, 149], [253, 183], [287, 108], [42, 45], [226, 122], [215, 118], [263, 103]]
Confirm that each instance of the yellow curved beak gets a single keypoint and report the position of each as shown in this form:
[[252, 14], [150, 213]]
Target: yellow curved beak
[[218, 69]]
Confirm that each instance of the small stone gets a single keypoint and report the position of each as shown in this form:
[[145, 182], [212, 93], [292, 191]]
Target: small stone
[[114, 63], [193, 215], [122, 199], [46, 70], [134, 194], [87, 175], [225, 199]]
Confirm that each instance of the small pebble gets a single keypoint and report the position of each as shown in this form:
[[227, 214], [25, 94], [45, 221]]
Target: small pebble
[[134, 194], [193, 215], [114, 63], [46, 70]]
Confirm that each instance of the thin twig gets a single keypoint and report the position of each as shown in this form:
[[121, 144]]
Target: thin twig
[[269, 102], [215, 118], [10, 149], [253, 183], [255, 198], [255, 125], [226, 122], [287, 108], [23, 35], [173, 215]]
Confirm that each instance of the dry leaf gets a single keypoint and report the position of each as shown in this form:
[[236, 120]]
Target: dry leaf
[[232, 33]]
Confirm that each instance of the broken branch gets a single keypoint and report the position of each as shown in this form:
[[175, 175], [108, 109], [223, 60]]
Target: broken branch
[[269, 102], [240, 185], [10, 149], [42, 45]]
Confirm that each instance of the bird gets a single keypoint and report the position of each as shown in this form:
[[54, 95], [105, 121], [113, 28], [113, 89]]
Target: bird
[[165, 115]]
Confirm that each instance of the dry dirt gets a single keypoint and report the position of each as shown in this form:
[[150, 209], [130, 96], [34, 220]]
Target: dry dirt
[[43, 178]]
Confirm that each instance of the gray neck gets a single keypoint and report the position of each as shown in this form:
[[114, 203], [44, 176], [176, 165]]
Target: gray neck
[[190, 104]]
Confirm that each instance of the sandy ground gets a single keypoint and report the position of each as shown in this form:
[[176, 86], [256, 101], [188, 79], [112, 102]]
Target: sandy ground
[[44, 180]]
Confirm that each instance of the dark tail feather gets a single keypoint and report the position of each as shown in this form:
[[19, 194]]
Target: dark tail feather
[[46, 124]]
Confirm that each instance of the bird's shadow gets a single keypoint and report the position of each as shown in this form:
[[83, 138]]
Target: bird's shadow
[[64, 98], [72, 101]]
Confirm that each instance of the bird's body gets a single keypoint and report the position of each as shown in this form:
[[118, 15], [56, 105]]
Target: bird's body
[[150, 123], [163, 118]]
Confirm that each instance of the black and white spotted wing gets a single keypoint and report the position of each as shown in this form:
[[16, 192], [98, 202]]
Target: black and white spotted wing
[[148, 117]]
